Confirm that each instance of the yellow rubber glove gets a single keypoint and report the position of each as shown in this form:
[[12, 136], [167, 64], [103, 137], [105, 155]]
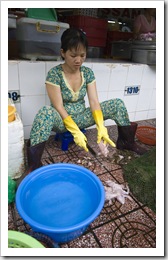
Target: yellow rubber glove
[[102, 130], [79, 138]]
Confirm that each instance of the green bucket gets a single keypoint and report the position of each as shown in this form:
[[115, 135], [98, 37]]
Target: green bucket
[[21, 240]]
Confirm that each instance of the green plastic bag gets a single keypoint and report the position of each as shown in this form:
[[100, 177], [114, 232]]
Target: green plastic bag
[[11, 190]]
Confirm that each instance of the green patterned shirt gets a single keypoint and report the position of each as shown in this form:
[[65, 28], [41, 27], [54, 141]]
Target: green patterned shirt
[[74, 102]]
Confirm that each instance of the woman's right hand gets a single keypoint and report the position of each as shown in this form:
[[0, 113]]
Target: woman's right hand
[[79, 138]]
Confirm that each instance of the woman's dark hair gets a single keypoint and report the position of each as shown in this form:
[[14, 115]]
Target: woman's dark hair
[[72, 38]]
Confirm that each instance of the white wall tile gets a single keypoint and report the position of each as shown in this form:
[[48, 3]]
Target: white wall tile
[[18, 109], [140, 115], [102, 74], [88, 64], [153, 100], [131, 102], [149, 77], [27, 130], [30, 106], [144, 100], [32, 78], [134, 76], [118, 77], [13, 76], [102, 95], [47, 100], [132, 116], [151, 114], [115, 94]]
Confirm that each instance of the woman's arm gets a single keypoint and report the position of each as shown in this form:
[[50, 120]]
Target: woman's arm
[[55, 97], [102, 133], [93, 97]]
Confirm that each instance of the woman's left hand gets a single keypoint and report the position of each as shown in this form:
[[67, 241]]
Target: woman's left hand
[[102, 130], [103, 135]]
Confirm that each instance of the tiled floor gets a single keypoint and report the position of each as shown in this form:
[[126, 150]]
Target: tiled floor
[[131, 225]]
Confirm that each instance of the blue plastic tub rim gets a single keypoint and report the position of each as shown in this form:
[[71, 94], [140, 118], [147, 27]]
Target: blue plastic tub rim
[[34, 174]]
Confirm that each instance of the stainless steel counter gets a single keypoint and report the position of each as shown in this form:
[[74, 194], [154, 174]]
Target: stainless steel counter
[[144, 52]]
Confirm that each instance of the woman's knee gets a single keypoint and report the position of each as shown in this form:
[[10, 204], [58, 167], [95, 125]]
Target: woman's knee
[[119, 102], [112, 104], [47, 113], [48, 110]]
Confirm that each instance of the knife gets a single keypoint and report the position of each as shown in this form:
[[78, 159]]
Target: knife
[[91, 150]]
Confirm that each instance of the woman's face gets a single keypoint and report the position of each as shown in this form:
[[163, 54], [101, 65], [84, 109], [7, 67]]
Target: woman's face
[[74, 57]]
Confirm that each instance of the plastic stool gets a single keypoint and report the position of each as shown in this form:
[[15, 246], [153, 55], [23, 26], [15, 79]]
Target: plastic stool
[[65, 138]]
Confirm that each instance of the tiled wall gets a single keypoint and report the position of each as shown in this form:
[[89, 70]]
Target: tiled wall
[[29, 78]]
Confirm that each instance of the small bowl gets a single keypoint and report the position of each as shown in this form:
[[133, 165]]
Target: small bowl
[[146, 134], [11, 113], [60, 200]]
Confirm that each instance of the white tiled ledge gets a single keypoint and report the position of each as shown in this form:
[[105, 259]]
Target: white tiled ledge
[[111, 61], [111, 76]]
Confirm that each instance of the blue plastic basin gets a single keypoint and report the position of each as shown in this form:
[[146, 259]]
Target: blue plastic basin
[[60, 200]]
